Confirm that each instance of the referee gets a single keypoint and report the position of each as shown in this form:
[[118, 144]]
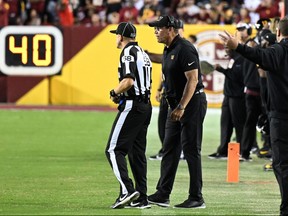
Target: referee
[[129, 130], [274, 59]]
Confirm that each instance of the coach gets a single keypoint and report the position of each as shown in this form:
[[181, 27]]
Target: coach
[[187, 102], [274, 59]]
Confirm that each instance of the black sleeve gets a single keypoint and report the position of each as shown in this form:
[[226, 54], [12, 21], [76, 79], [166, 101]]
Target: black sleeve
[[188, 59], [268, 58], [222, 70], [227, 71]]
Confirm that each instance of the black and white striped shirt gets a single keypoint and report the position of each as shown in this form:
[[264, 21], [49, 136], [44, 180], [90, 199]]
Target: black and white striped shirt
[[135, 63]]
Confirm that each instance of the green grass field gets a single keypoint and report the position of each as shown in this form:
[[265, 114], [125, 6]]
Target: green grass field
[[53, 163]]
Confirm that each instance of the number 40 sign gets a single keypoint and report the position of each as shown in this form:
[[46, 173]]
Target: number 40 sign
[[31, 50]]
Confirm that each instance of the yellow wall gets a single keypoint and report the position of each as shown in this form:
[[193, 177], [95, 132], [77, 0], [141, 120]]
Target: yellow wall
[[38, 95], [89, 76]]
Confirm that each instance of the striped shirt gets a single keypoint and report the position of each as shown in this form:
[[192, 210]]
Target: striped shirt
[[136, 64]]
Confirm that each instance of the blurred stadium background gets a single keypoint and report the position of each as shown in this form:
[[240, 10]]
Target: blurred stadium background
[[53, 163], [88, 56]]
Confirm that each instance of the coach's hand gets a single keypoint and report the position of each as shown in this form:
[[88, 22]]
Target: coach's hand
[[177, 113]]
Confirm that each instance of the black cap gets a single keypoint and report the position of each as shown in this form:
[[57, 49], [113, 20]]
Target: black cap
[[125, 29], [261, 22], [164, 21], [264, 32], [270, 37]]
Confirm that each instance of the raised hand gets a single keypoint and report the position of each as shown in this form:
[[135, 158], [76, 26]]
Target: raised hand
[[229, 41]]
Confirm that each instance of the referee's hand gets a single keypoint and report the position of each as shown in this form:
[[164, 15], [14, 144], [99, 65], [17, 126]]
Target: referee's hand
[[115, 99]]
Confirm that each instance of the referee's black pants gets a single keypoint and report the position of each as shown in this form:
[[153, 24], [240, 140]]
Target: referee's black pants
[[279, 144], [128, 137], [188, 133], [233, 114]]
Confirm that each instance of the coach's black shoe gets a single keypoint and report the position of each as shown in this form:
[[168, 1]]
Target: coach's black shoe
[[245, 159], [191, 204], [140, 203], [125, 199], [156, 157], [158, 199], [217, 156]]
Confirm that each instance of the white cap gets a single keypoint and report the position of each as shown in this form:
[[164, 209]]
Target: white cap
[[242, 25]]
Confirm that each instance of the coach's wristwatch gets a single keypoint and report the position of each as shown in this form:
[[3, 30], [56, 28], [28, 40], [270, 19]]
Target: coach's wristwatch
[[180, 107]]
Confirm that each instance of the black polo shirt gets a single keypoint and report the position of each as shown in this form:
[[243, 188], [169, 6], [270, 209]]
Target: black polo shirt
[[181, 56], [234, 76]]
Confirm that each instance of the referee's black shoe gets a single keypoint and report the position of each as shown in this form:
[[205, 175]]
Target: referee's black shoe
[[125, 199], [191, 204], [140, 203]]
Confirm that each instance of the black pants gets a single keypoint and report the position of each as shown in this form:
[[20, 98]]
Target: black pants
[[128, 137], [162, 117], [264, 96], [253, 110], [233, 114], [188, 133], [279, 144]]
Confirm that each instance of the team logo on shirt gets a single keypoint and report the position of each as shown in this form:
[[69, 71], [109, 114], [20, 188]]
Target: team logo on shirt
[[127, 58], [189, 64], [172, 57]]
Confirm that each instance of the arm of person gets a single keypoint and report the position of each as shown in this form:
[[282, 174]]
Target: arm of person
[[123, 86], [268, 58], [159, 90], [227, 72], [220, 69], [192, 80], [155, 58]]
